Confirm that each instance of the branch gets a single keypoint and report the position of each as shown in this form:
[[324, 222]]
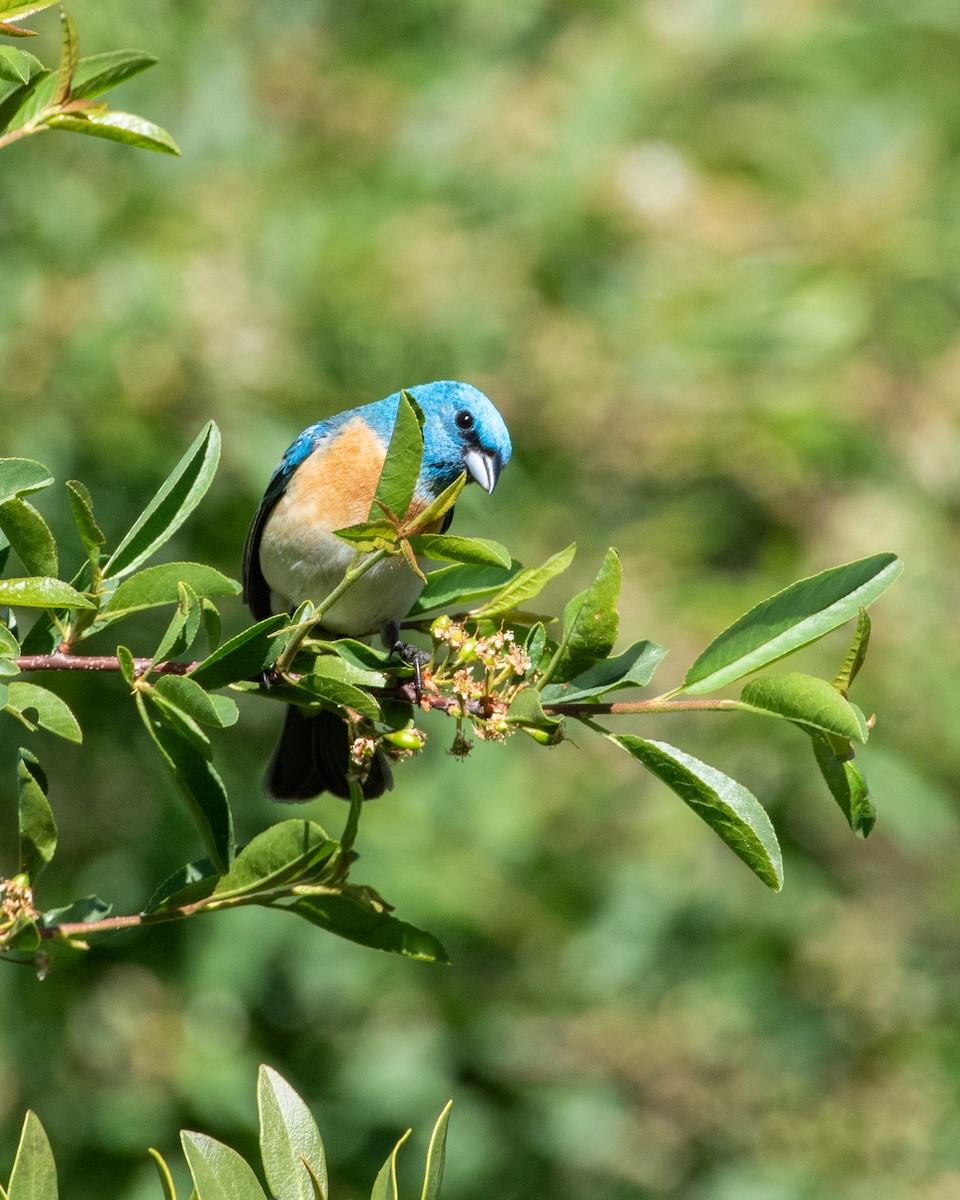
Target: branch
[[59, 661]]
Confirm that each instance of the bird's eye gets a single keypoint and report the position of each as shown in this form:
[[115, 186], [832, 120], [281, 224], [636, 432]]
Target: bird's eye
[[464, 420]]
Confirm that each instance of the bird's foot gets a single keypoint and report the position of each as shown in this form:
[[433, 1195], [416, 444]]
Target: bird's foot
[[413, 656]]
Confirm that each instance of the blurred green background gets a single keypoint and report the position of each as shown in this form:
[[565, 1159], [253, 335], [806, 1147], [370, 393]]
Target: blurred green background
[[704, 256]]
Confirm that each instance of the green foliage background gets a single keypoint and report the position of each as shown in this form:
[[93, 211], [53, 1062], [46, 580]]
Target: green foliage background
[[702, 253]]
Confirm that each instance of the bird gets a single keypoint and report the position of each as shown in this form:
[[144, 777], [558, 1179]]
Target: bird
[[326, 481]]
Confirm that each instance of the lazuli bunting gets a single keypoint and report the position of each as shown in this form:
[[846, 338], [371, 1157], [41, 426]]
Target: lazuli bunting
[[326, 481]]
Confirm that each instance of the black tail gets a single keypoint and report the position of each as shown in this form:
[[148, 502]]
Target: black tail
[[313, 756]]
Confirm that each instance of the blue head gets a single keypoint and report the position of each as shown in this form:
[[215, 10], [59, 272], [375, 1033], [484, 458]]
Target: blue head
[[462, 432]]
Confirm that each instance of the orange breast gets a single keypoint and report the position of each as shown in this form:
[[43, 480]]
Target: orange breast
[[335, 486]]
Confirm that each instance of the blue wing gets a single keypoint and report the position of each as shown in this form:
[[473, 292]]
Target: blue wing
[[256, 590]]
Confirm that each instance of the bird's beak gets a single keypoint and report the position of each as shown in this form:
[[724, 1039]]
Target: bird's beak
[[483, 466]]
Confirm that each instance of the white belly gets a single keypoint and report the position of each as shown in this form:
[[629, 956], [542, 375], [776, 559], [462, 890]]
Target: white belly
[[299, 567]]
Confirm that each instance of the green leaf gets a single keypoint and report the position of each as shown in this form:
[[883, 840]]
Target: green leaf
[[212, 627], [52, 713], [806, 700], [850, 668], [590, 623], [289, 1139], [36, 827], [343, 695], [633, 668], [793, 618], [9, 646], [352, 916], [21, 476], [116, 126], [437, 508], [846, 782], [401, 467], [41, 592], [218, 1172], [176, 499], [446, 548], [69, 57], [528, 583], [98, 73], [81, 503], [197, 781], [23, 935], [290, 850], [30, 536], [385, 1185], [436, 1155], [89, 908], [345, 670], [15, 9], [166, 1179], [727, 807], [244, 656], [156, 586], [362, 656], [185, 693], [527, 709], [368, 536], [34, 1175], [535, 645], [461, 585], [17, 66], [184, 626], [128, 667], [188, 884]]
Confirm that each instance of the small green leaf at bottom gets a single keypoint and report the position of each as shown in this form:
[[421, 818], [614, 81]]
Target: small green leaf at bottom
[[34, 1175], [732, 812], [290, 1144], [218, 1172]]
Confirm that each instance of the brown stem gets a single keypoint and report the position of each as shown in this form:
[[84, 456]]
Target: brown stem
[[58, 661]]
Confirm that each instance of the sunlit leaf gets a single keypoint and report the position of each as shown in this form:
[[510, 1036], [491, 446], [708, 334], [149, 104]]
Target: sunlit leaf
[[30, 536], [289, 1138], [461, 585], [436, 1156], [807, 700], [287, 851], [527, 583], [69, 57], [447, 548], [633, 668], [116, 126], [401, 468], [98, 73], [81, 504], [156, 586], [185, 693], [17, 66], [21, 476], [176, 499], [856, 655], [793, 618], [34, 1174], [218, 1172], [437, 508], [727, 807], [244, 656], [590, 623], [385, 1185], [50, 712]]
